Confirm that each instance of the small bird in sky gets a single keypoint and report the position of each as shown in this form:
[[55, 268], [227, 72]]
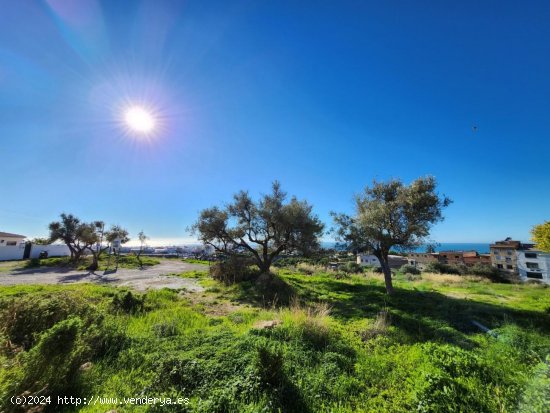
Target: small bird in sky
[[474, 128]]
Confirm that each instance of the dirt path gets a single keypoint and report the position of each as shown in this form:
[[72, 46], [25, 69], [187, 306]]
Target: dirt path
[[153, 277]]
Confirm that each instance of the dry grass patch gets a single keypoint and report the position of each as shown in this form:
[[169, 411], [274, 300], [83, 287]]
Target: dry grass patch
[[453, 279]]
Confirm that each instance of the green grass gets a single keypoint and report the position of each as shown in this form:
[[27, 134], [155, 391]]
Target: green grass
[[192, 274], [341, 345], [195, 261], [125, 261]]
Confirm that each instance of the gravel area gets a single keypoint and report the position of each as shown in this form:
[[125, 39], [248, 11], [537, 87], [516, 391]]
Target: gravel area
[[153, 277]]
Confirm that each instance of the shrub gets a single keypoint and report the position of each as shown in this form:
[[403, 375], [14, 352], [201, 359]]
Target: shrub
[[308, 269], [127, 302], [352, 268], [487, 271], [165, 329], [441, 268], [233, 270], [269, 365], [379, 327], [341, 275], [52, 365], [22, 319], [409, 269], [536, 398], [33, 263]]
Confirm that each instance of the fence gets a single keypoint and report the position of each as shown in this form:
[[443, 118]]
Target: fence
[[17, 252], [12, 252]]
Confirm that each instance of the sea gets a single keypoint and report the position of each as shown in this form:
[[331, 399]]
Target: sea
[[481, 248]]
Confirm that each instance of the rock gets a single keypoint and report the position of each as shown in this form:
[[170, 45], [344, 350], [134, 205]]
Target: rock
[[267, 324], [86, 366]]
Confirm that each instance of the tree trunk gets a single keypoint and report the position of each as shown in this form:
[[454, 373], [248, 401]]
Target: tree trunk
[[264, 266], [138, 256], [387, 273], [95, 261]]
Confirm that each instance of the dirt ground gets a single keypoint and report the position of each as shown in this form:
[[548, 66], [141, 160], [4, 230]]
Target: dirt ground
[[154, 277]]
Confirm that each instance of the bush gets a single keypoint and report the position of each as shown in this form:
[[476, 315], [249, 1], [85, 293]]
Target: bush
[[127, 302], [52, 365], [22, 319], [233, 270], [441, 268], [487, 271], [352, 268], [33, 263], [409, 269], [269, 366], [536, 398], [307, 269], [341, 275]]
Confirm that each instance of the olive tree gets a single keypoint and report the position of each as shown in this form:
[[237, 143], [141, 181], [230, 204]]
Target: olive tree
[[391, 215], [116, 232], [263, 229], [82, 236], [142, 240], [74, 233]]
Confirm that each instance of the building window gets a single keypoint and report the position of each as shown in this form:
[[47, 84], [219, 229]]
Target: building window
[[509, 252], [530, 255], [499, 266], [509, 267], [508, 259], [11, 243], [498, 257], [532, 265], [457, 256], [534, 275]]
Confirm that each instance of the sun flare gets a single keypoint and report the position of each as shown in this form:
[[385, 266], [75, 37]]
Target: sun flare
[[139, 119]]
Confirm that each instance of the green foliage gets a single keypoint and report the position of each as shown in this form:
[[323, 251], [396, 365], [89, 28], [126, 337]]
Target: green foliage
[[33, 263], [391, 215], [269, 366], [233, 270], [52, 364], [351, 268], [196, 261], [409, 269], [540, 234], [341, 346], [441, 268], [130, 261], [272, 225], [478, 269], [127, 302], [536, 398], [23, 318]]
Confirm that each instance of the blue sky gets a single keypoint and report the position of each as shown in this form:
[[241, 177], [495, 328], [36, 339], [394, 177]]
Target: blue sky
[[323, 96]]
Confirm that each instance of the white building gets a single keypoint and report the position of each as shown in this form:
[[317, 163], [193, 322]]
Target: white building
[[367, 259], [12, 246], [533, 265], [9, 240]]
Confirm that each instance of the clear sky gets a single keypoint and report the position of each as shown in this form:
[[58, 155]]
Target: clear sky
[[322, 95]]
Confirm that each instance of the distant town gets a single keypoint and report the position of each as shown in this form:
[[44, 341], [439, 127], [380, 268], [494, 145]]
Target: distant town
[[511, 257]]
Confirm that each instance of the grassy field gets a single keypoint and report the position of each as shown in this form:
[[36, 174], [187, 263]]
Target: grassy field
[[307, 343], [125, 261]]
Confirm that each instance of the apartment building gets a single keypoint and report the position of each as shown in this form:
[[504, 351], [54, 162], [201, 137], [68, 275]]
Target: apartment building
[[533, 265], [504, 254]]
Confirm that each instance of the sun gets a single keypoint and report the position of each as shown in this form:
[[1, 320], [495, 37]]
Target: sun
[[139, 120]]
